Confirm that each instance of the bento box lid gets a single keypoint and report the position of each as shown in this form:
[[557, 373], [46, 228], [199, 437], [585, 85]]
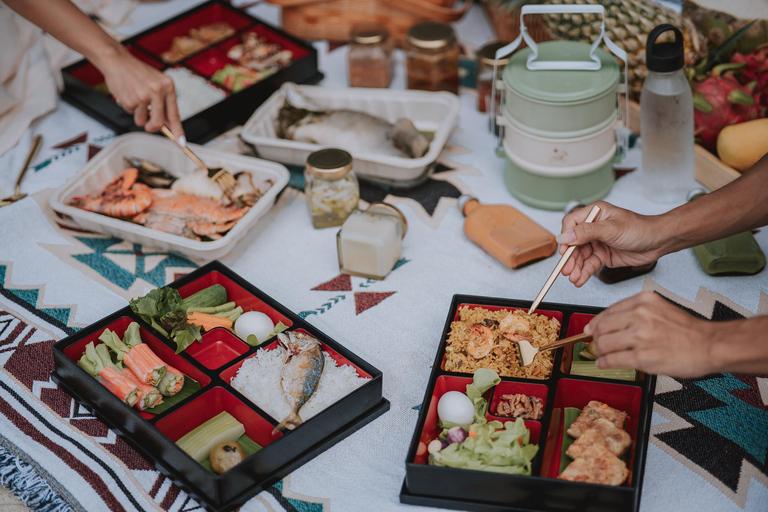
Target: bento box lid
[[561, 86]]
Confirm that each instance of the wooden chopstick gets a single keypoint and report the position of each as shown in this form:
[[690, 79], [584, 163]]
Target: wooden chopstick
[[560, 264]]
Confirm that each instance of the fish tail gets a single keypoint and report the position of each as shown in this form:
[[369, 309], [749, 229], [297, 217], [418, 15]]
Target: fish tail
[[289, 423], [408, 139]]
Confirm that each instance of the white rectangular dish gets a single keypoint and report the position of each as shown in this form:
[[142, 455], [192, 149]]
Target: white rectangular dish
[[108, 164], [434, 112]]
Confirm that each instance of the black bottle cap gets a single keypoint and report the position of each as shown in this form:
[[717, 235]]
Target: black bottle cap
[[668, 56]]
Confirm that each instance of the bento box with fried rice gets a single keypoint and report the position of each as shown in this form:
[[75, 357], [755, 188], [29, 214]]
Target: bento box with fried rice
[[557, 435], [222, 388]]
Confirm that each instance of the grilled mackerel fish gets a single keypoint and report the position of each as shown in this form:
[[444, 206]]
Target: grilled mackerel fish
[[300, 119], [302, 368]]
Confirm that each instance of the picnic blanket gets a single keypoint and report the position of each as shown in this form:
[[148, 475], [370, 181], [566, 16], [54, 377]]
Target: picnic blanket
[[709, 436]]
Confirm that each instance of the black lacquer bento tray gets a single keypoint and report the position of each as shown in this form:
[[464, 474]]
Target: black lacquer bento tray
[[82, 81], [483, 491], [213, 363]]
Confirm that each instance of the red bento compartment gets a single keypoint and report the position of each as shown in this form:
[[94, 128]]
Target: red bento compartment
[[219, 346], [576, 324], [235, 292], [90, 75], [577, 393], [271, 37], [210, 404], [209, 62], [513, 388], [163, 351], [549, 314], [160, 40], [230, 372], [444, 384]]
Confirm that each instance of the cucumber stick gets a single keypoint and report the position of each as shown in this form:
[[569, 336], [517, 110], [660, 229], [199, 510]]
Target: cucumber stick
[[214, 295], [199, 442]]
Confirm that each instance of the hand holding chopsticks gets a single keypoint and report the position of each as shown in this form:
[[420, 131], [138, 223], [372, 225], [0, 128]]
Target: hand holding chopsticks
[[560, 264]]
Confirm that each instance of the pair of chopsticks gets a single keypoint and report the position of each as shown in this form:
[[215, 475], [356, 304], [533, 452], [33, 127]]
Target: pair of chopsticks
[[593, 213]]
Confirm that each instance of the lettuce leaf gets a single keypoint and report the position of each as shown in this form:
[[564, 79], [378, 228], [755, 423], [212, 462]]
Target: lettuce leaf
[[163, 309]]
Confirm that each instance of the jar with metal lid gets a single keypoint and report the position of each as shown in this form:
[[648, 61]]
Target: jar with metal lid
[[432, 57], [331, 187], [369, 59], [370, 242], [485, 58]]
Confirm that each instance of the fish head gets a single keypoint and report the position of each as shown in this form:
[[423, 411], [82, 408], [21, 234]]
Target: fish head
[[295, 98]]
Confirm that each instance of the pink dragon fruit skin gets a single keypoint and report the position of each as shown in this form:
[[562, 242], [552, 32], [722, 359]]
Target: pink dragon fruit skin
[[755, 71], [720, 101]]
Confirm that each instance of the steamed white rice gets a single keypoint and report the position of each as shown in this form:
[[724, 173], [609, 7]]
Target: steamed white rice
[[259, 380]]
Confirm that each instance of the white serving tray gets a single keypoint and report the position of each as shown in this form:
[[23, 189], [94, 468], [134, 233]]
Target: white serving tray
[[108, 164], [430, 111]]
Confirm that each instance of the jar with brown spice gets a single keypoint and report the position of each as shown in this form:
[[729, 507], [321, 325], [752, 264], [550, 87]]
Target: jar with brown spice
[[485, 57], [370, 56], [432, 57]]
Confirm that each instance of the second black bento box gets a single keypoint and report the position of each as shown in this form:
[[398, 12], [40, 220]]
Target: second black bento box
[[560, 393], [213, 363], [229, 105]]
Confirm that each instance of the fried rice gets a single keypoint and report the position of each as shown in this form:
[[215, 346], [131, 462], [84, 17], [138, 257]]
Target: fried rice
[[504, 355]]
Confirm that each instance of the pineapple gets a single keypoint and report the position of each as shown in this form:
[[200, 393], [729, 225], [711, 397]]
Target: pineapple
[[627, 23]]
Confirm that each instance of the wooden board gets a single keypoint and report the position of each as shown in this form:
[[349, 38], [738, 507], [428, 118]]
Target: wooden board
[[709, 170]]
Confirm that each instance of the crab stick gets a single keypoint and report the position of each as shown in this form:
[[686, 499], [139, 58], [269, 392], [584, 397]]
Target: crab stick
[[136, 355], [172, 382], [150, 396], [97, 363]]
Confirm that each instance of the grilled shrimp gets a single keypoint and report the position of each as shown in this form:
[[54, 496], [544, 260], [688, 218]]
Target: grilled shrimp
[[480, 341], [122, 197], [514, 324]]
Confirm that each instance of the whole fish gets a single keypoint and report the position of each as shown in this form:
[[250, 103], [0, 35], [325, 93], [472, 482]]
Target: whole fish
[[302, 367], [302, 120]]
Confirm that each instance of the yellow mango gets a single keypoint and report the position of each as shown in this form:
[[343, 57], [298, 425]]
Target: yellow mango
[[742, 145]]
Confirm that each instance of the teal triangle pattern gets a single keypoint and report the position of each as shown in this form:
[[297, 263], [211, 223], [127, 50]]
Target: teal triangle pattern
[[299, 505], [27, 298], [114, 273]]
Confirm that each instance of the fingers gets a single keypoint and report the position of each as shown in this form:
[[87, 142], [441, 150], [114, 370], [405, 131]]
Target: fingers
[[623, 359], [588, 269], [140, 114], [172, 114], [156, 114]]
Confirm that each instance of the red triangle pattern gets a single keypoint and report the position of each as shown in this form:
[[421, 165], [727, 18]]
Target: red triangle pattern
[[366, 300], [92, 151], [340, 283], [73, 141]]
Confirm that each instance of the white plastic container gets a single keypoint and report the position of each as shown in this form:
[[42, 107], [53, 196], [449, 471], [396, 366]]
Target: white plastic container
[[108, 164], [430, 112], [558, 153]]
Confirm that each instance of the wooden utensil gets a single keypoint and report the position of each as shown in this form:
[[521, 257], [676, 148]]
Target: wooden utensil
[[560, 264], [528, 351], [17, 195], [222, 177]]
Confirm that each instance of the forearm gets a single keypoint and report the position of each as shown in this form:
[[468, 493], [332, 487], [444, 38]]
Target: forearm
[[64, 21], [740, 206], [740, 346]]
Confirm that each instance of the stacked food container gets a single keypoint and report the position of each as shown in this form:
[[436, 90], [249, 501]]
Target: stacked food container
[[560, 116]]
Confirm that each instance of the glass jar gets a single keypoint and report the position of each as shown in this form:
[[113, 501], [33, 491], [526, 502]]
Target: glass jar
[[485, 58], [331, 187], [369, 59], [432, 57], [370, 242]]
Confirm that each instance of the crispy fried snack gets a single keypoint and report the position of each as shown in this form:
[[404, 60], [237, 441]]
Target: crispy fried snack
[[593, 411], [601, 432], [596, 465]]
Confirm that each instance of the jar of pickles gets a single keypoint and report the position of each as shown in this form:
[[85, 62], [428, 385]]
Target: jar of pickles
[[432, 57], [485, 58], [331, 187], [369, 57]]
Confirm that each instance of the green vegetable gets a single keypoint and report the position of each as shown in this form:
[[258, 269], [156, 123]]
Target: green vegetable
[[569, 416], [214, 295], [482, 380], [191, 386], [164, 310], [590, 369], [232, 314], [199, 442], [493, 446], [254, 341], [227, 306], [249, 447]]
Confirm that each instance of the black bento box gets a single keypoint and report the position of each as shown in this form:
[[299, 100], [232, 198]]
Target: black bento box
[[213, 363], [84, 84], [464, 489]]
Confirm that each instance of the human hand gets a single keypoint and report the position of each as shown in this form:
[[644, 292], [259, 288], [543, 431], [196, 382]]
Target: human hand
[[648, 333], [617, 238], [137, 86]]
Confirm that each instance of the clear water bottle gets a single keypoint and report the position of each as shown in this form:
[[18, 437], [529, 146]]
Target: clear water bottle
[[666, 120]]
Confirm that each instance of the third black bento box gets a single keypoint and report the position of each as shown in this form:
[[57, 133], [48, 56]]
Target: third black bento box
[[212, 363], [228, 105], [559, 392]]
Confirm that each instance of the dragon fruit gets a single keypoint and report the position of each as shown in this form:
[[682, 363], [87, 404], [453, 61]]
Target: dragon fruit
[[755, 70], [720, 100]]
